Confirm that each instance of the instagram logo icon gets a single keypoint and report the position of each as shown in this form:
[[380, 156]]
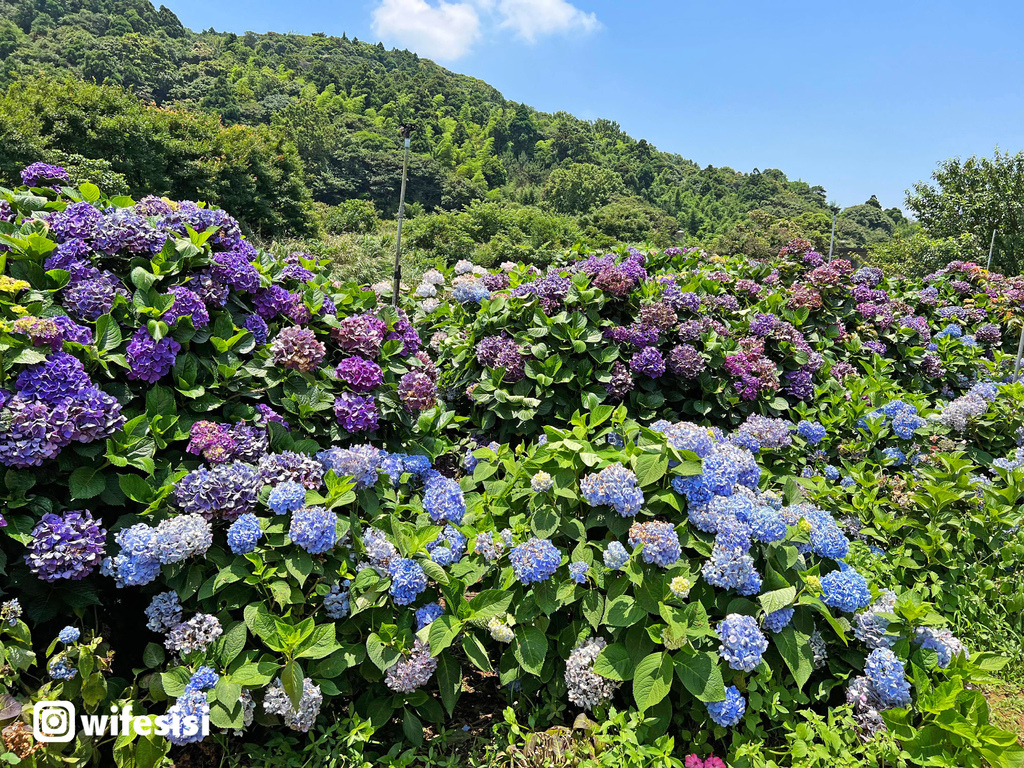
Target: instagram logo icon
[[54, 721]]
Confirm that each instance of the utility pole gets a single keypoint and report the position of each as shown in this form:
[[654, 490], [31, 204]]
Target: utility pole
[[991, 246], [405, 132], [832, 239], [1020, 351]]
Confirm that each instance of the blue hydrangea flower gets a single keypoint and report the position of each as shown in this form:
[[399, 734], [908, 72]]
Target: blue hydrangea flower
[[287, 497], [69, 635], [831, 472], [61, 669], [615, 487], [732, 569], [427, 614], [535, 560], [942, 641], [660, 542], [244, 533], [203, 679], [578, 572], [767, 526], [888, 678], [187, 715], [776, 621], [407, 580], [895, 455], [743, 643], [811, 431], [314, 529], [729, 711], [615, 556], [846, 590], [443, 499]]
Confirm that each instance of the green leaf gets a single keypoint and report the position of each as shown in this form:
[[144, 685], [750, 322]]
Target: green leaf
[[650, 468], [623, 611], [652, 680], [319, 644], [232, 642], [412, 728], [777, 599], [489, 603], [449, 681], [153, 656], [530, 648], [476, 652], [383, 656], [614, 662], [108, 334], [795, 649], [291, 681], [86, 483], [434, 571], [701, 676], [136, 488], [442, 633]]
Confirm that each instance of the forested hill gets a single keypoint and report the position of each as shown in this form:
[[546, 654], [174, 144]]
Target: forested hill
[[340, 101]]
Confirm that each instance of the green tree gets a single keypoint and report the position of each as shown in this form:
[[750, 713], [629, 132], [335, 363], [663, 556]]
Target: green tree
[[976, 196], [581, 187]]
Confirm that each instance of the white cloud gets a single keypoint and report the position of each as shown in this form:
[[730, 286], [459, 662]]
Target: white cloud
[[441, 31], [534, 18]]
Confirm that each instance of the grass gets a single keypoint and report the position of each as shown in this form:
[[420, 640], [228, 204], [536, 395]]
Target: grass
[[1006, 702]]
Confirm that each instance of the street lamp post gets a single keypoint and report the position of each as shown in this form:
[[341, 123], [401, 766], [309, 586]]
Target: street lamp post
[[991, 247], [405, 132]]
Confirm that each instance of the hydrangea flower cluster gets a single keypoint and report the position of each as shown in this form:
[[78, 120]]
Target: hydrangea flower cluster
[[66, 546], [729, 711], [408, 580], [244, 534], [224, 491], [742, 642], [846, 590], [614, 486], [314, 529], [586, 688], [406, 675], [660, 542], [145, 549], [194, 635], [534, 561], [301, 718]]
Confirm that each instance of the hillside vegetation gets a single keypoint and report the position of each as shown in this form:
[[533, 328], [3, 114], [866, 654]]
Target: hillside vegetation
[[554, 179]]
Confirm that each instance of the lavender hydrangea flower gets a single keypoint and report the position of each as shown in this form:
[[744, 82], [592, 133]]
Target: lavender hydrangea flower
[[186, 304], [44, 174], [586, 688], [649, 362], [277, 702], [164, 612], [361, 334], [194, 635], [417, 391], [409, 674], [224, 491]]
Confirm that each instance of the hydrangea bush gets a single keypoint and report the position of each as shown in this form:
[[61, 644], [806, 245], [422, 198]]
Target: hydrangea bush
[[710, 492]]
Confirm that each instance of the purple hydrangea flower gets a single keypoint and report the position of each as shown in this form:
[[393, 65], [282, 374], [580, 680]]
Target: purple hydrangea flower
[[356, 413], [360, 374], [66, 546], [150, 360], [186, 304]]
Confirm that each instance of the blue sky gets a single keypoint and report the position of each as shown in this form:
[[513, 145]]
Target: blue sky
[[861, 98]]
